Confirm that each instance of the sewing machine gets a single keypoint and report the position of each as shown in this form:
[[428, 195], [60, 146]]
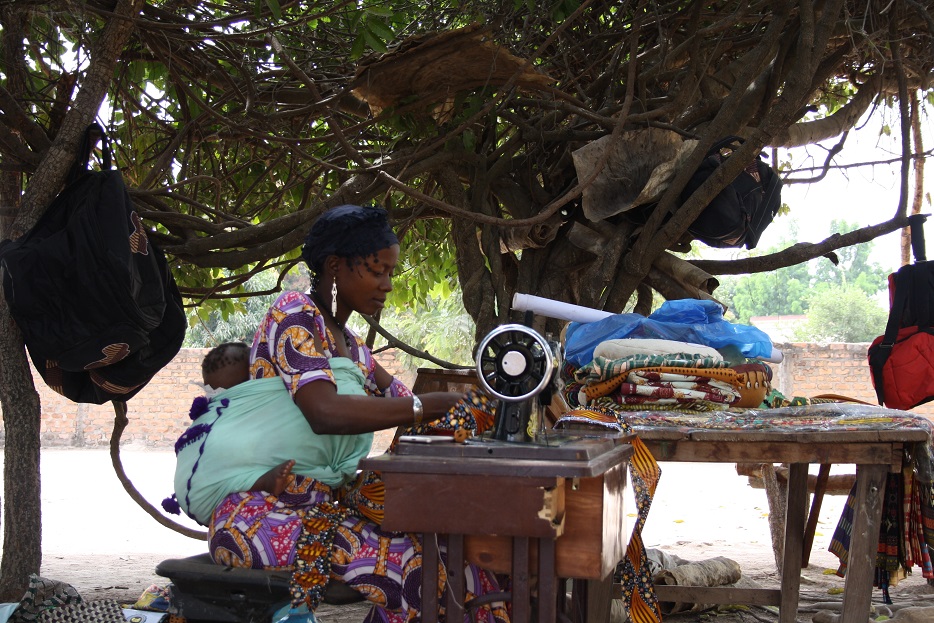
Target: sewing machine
[[514, 365], [518, 367]]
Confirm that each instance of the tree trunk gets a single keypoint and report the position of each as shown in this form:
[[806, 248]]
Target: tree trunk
[[22, 529], [22, 549]]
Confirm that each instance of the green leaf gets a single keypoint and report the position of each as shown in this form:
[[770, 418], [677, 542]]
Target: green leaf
[[275, 8], [469, 139], [380, 29], [380, 10], [359, 45], [373, 41]]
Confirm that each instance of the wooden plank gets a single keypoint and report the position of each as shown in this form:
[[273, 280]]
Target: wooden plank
[[594, 537], [599, 600], [867, 516], [461, 505], [595, 533], [518, 468], [578, 601], [551, 446], [713, 595], [776, 492], [772, 452], [646, 433], [805, 436], [438, 380], [796, 507], [799, 435], [837, 484]]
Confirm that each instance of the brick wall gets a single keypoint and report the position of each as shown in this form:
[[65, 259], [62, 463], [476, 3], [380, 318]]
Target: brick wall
[[808, 369], [813, 369], [159, 413]]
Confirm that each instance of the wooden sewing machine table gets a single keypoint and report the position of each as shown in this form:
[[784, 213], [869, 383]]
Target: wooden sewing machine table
[[874, 452], [538, 513]]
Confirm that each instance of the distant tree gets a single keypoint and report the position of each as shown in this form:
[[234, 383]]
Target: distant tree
[[852, 266], [781, 292], [440, 327], [235, 318], [842, 314], [786, 291]]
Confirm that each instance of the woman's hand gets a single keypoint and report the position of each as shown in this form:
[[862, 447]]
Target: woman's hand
[[330, 413], [436, 404]]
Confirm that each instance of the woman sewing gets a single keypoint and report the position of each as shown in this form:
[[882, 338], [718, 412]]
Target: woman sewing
[[319, 524]]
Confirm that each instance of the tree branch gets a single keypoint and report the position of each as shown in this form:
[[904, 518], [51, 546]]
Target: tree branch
[[801, 252]]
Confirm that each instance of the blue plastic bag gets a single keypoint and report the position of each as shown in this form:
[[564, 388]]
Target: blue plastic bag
[[685, 320]]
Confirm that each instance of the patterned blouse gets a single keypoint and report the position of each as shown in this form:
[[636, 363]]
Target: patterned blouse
[[293, 342]]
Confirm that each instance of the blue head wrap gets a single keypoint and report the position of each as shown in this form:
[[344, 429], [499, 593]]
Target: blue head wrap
[[347, 231]]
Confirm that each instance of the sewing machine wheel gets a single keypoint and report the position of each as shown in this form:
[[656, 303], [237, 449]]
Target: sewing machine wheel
[[514, 363]]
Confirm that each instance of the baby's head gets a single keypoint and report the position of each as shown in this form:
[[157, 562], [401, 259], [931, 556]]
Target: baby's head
[[226, 365]]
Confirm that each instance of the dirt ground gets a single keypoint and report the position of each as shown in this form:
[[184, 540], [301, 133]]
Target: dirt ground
[[97, 539]]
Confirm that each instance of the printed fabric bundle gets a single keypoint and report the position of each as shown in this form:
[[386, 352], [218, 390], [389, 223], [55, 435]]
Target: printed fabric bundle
[[646, 381]]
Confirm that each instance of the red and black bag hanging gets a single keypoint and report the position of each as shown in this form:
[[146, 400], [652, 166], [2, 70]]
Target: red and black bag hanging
[[902, 360]]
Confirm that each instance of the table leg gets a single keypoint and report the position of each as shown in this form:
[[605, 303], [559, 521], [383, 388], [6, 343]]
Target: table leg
[[864, 542], [591, 600], [456, 589], [578, 601], [521, 593], [795, 510], [820, 487], [430, 577], [547, 582], [599, 600]]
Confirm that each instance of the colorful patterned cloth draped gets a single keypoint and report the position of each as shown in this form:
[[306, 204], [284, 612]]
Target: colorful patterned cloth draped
[[474, 414], [639, 597]]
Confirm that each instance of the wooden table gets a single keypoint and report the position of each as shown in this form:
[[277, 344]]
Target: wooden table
[[874, 452], [541, 517]]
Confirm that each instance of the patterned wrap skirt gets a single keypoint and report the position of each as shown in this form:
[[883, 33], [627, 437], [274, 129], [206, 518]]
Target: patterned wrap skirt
[[261, 531]]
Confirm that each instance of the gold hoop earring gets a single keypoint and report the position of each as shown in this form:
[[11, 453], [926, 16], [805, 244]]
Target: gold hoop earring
[[334, 299]]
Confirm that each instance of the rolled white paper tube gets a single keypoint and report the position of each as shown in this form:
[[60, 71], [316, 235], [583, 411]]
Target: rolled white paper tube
[[556, 309]]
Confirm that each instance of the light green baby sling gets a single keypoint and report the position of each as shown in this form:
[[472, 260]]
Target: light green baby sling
[[258, 429]]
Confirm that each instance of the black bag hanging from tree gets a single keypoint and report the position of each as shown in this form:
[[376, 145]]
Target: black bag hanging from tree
[[97, 306], [739, 214]]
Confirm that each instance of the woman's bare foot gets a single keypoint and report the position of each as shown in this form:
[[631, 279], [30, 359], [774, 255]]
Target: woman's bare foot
[[275, 480]]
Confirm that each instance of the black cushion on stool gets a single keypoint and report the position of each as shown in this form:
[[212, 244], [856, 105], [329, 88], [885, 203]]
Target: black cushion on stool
[[207, 591]]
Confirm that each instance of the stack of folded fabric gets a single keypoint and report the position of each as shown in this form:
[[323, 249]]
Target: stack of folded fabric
[[647, 374]]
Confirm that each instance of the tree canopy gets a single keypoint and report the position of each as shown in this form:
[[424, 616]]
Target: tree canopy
[[237, 123]]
